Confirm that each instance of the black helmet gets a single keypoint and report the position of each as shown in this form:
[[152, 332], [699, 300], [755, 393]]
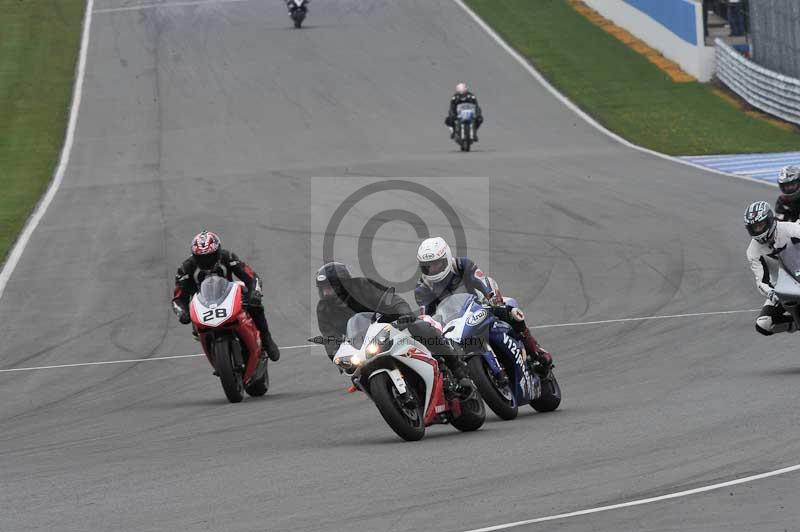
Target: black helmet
[[789, 181], [331, 278], [760, 222]]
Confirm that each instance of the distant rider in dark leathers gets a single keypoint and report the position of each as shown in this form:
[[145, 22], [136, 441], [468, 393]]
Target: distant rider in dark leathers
[[208, 258], [463, 95], [341, 296], [443, 275], [787, 207]]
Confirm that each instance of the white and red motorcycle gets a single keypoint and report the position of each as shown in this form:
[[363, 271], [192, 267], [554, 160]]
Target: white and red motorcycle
[[404, 380], [229, 337]]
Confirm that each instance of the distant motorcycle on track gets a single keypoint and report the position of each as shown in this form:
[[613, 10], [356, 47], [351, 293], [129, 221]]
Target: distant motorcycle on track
[[498, 364], [298, 9], [464, 134], [411, 389], [230, 339]]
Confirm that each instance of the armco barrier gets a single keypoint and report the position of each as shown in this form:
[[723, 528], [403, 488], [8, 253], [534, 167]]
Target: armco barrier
[[762, 88]]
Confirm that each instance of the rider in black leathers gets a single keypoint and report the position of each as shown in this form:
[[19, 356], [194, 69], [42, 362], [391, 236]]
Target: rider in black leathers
[[342, 296], [207, 258], [463, 95], [787, 207]]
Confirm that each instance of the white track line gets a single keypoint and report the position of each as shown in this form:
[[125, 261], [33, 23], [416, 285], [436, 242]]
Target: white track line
[[165, 5], [645, 318], [578, 111], [553, 326], [41, 208], [127, 361], [640, 502]]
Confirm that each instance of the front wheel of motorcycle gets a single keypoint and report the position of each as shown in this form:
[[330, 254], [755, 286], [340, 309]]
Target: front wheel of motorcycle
[[499, 400], [551, 395], [229, 374], [405, 420]]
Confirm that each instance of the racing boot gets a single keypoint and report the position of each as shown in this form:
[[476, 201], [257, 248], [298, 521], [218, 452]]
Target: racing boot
[[464, 387], [271, 349], [452, 133], [543, 359]]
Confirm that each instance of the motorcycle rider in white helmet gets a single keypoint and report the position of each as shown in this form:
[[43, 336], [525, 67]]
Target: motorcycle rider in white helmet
[[443, 274], [769, 238]]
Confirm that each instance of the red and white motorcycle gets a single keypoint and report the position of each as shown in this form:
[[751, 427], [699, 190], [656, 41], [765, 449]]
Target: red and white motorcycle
[[404, 380], [229, 337]]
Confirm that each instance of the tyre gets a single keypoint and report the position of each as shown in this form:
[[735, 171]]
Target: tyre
[[259, 387], [473, 414], [406, 423], [229, 374], [501, 402], [551, 395], [298, 23]]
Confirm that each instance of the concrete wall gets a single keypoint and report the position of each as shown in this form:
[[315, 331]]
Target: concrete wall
[[673, 27]]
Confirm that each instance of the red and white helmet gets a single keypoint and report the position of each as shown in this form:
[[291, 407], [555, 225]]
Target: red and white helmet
[[461, 88], [205, 249], [435, 259]]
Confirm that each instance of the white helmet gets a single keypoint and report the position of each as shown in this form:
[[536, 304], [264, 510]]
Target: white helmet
[[435, 259], [461, 88]]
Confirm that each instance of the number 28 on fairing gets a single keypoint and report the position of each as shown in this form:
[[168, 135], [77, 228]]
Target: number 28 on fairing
[[218, 313]]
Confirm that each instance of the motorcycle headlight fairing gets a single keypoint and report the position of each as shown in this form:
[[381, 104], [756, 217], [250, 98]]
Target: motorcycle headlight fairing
[[381, 343]]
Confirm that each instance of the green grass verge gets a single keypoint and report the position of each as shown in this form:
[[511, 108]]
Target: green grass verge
[[623, 90], [39, 43]]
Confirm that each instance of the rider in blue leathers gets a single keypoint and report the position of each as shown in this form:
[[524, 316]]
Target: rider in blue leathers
[[443, 274]]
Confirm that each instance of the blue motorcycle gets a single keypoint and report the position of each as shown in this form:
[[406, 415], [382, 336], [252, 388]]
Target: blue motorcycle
[[498, 364]]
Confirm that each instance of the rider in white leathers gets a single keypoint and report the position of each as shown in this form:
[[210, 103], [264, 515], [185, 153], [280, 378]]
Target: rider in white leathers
[[770, 237]]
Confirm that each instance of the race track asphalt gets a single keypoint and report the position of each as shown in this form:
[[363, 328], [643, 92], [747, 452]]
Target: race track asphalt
[[219, 115]]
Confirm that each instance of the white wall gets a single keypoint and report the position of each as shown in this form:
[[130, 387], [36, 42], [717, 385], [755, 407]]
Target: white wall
[[696, 60]]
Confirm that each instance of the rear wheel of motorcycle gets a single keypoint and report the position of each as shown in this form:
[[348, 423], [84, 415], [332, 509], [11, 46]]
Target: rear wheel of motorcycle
[[496, 400], [551, 395], [298, 23], [229, 374], [407, 424], [259, 387], [473, 414]]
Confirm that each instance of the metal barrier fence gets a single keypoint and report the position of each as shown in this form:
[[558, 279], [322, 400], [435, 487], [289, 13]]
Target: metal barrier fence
[[762, 88], [775, 34]]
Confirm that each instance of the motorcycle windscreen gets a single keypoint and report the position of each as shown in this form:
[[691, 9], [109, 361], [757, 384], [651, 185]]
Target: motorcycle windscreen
[[788, 285], [214, 290], [790, 259], [453, 307], [357, 328], [466, 112]]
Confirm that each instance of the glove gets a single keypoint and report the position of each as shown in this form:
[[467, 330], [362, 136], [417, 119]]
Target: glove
[[181, 313], [772, 296]]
